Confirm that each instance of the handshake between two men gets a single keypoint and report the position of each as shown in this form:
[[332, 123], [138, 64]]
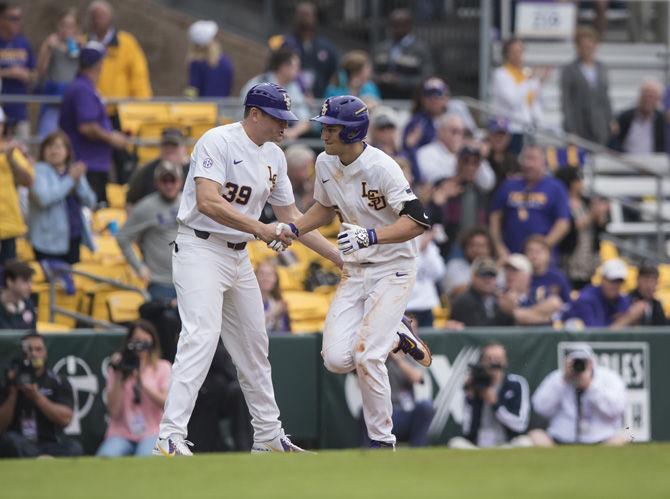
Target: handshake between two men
[[350, 238]]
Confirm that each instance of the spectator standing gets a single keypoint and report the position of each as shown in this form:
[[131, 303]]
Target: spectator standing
[[438, 159], [429, 271], [137, 385], [57, 65], [172, 149], [516, 92], [15, 170], [85, 121], [402, 61], [504, 163], [16, 308], [60, 191], [536, 203], [647, 282], [318, 55], [475, 243], [283, 69], [152, 224], [585, 101], [641, 130], [584, 403], [277, 320], [210, 71], [300, 161], [124, 70], [458, 203], [17, 67], [430, 101], [354, 78], [547, 280], [34, 411], [497, 404], [580, 248], [605, 305], [479, 306]]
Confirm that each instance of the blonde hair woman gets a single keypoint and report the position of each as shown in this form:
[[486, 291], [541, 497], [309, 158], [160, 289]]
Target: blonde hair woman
[[210, 72]]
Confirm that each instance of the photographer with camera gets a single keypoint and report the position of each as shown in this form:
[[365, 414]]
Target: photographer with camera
[[584, 403], [497, 407], [36, 404], [137, 385]]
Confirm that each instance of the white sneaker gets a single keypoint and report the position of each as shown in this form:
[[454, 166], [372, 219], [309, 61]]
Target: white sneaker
[[172, 446], [281, 443]]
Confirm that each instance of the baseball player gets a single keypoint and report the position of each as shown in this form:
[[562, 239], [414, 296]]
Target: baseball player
[[234, 170], [380, 217]]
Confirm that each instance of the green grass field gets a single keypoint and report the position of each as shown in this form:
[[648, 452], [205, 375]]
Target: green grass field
[[637, 472]]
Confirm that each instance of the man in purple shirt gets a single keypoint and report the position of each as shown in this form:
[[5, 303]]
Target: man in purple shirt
[[605, 305], [536, 203], [85, 120], [17, 66]]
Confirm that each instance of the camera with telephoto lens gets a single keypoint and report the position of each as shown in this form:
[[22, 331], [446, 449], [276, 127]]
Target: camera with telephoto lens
[[130, 359], [480, 377], [25, 371], [578, 366]]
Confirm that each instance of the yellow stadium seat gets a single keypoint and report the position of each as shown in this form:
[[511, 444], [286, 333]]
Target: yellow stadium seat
[[259, 252], [24, 250], [189, 113], [124, 306], [38, 276], [116, 195], [132, 115], [52, 327], [63, 300], [440, 317], [608, 250], [118, 272], [306, 306], [302, 327], [290, 278], [103, 217]]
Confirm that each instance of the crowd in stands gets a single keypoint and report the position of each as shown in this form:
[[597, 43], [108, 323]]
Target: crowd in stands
[[513, 241]]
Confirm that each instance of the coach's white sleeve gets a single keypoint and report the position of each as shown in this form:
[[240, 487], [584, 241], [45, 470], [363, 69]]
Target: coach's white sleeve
[[210, 157], [282, 195], [548, 396], [395, 188], [320, 194], [607, 393]]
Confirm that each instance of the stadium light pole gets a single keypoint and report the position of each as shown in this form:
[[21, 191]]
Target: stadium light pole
[[485, 16]]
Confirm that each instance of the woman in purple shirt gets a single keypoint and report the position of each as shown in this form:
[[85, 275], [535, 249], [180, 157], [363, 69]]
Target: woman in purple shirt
[[210, 73]]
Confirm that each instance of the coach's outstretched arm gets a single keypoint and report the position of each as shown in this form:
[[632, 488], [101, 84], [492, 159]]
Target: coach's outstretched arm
[[211, 204], [315, 241]]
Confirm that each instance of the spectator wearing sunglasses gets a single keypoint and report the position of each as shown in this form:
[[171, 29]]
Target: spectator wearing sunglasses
[[152, 224], [605, 305]]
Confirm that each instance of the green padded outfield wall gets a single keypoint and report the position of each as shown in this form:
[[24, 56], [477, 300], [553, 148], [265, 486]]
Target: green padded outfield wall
[[323, 409]]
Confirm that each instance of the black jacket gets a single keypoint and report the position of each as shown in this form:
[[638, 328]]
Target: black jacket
[[626, 118], [469, 309], [512, 409], [657, 315]]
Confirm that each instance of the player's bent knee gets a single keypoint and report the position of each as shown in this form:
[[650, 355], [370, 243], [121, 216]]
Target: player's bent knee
[[336, 363]]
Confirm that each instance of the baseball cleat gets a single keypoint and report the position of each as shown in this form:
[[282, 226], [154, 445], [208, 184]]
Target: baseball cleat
[[172, 446], [281, 443], [376, 444], [412, 345]]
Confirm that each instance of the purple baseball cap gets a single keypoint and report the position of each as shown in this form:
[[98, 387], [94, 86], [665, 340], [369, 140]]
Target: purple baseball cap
[[91, 54], [498, 124]]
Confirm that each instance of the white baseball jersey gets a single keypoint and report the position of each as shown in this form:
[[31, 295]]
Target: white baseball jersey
[[250, 175], [370, 192]]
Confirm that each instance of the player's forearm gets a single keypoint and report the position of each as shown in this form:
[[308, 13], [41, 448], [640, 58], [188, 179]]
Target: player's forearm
[[316, 242], [220, 210], [316, 216], [399, 231]]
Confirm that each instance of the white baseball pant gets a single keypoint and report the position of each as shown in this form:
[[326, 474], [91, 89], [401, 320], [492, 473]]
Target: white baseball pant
[[360, 331], [218, 295]]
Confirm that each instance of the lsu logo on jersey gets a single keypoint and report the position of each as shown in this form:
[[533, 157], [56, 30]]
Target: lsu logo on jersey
[[377, 201], [273, 179]]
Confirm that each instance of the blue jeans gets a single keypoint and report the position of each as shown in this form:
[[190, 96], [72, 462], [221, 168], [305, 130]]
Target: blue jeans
[[160, 291], [118, 447], [412, 426]]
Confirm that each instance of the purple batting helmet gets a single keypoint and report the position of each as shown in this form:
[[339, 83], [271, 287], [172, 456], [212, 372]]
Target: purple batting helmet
[[272, 99], [349, 111]]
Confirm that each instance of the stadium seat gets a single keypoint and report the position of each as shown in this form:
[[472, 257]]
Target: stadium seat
[[116, 195], [24, 250], [103, 217], [291, 278], [52, 327], [132, 115], [190, 113], [305, 306], [608, 250], [124, 306]]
